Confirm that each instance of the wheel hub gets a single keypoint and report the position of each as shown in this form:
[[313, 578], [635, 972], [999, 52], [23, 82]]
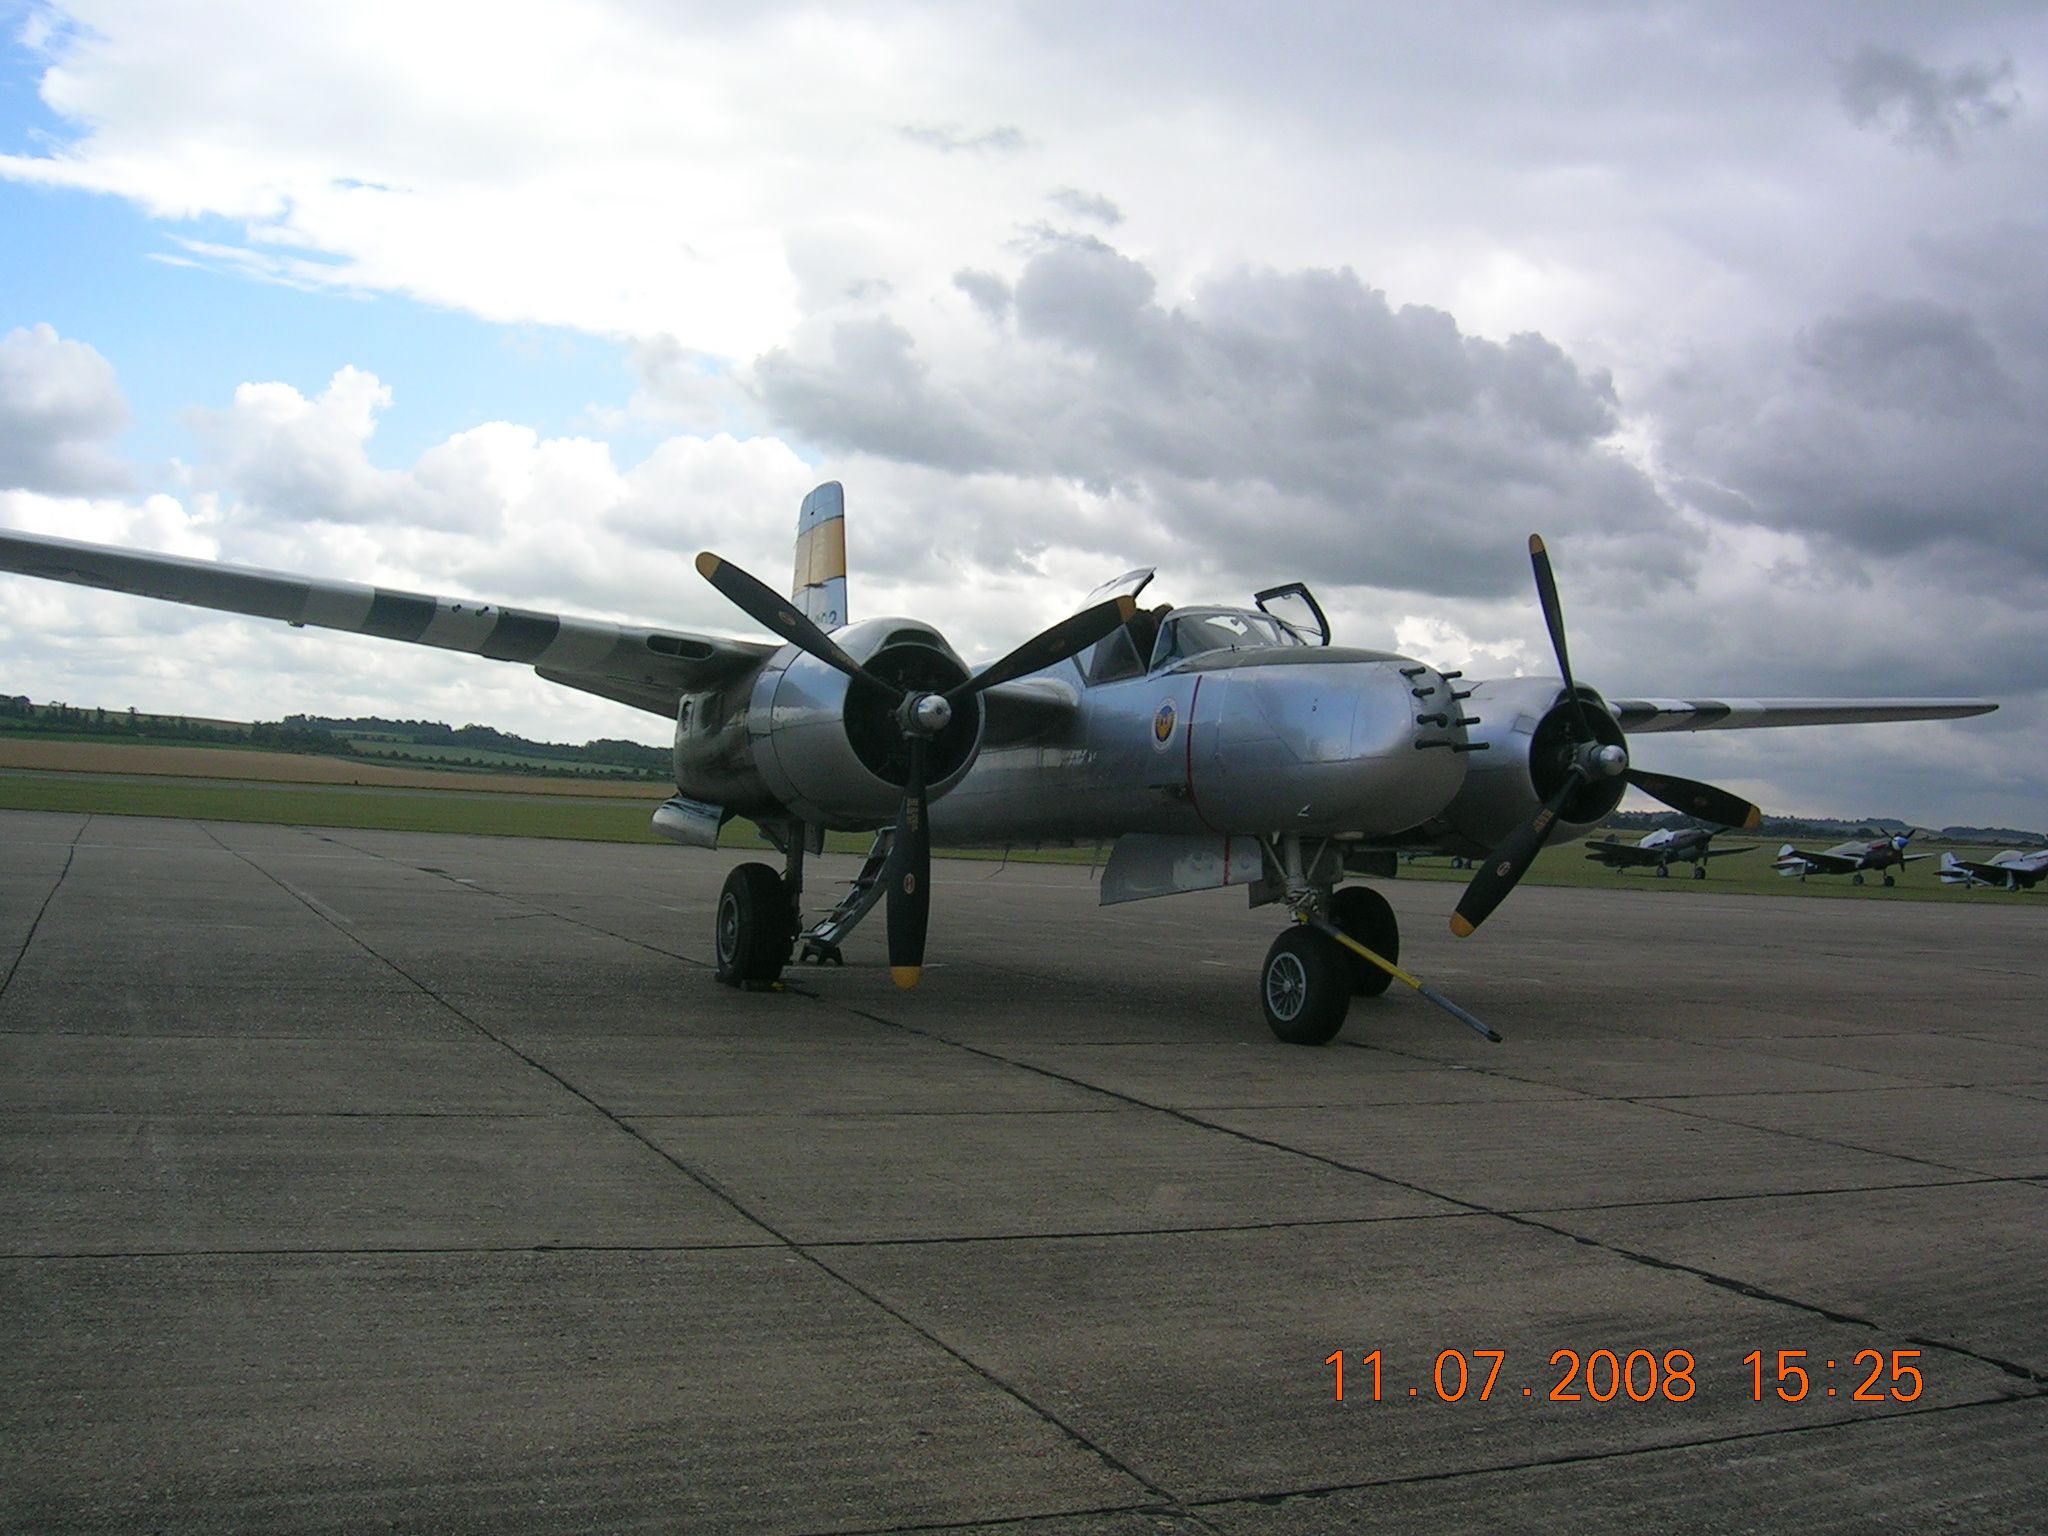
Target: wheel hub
[[1286, 986]]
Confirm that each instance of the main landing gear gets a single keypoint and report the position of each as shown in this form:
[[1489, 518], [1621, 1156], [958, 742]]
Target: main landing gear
[[755, 927], [757, 921], [760, 912]]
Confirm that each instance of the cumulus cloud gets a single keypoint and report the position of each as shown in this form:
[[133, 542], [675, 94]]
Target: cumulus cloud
[[1889, 427], [1299, 409], [952, 139], [60, 410], [1087, 205], [1922, 107]]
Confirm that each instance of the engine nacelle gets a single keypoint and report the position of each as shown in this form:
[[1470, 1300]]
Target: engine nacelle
[[828, 747], [1527, 725]]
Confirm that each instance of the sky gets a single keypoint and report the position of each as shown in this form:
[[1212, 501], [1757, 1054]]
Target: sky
[[1743, 307]]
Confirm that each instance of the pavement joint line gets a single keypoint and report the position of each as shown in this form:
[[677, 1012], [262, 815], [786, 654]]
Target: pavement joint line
[[1971, 1181], [532, 910], [286, 1114], [961, 1240], [997, 1522], [481, 1250], [1509, 1075], [1816, 1139], [713, 1187], [1323, 1491], [37, 921], [1709, 1277]]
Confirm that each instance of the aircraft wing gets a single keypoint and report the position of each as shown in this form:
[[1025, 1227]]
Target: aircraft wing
[[1643, 716], [1621, 855], [1990, 873], [648, 669], [1819, 863], [1715, 853]]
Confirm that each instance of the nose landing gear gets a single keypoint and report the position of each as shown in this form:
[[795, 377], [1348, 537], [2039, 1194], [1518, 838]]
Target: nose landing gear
[[1344, 944]]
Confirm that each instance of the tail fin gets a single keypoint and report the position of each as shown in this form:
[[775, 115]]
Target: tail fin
[[819, 586]]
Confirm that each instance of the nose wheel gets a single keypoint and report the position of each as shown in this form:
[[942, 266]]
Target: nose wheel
[[1305, 986]]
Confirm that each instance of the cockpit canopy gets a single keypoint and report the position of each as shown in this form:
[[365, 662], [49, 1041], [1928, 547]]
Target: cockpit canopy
[[1159, 638], [1197, 631]]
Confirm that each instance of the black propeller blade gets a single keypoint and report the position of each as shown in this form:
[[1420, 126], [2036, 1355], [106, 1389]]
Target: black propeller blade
[[1553, 619], [919, 717], [1508, 862], [1505, 866], [909, 875], [909, 871], [1064, 639], [1697, 799], [760, 603]]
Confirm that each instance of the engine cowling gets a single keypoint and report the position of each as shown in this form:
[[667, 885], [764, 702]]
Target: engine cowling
[[1527, 725], [828, 747]]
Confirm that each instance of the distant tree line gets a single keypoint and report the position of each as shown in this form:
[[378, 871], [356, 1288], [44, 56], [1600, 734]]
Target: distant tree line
[[25, 717], [1838, 830], [605, 751], [20, 715]]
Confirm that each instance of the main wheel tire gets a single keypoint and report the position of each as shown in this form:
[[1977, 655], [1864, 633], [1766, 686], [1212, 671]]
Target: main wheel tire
[[1364, 914], [753, 932], [1889, 882], [1663, 871], [1855, 879], [1305, 987], [1699, 871]]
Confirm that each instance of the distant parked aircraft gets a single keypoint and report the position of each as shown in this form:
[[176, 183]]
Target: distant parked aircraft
[[1662, 849], [1850, 859], [2010, 870]]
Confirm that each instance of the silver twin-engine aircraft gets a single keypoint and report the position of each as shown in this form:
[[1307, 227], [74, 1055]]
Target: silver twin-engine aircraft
[[1213, 746]]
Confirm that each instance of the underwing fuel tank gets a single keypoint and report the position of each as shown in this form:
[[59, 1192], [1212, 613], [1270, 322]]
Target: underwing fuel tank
[[1364, 743]]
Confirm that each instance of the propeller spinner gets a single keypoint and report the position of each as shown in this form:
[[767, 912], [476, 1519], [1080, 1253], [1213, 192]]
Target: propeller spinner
[[918, 717], [1589, 759]]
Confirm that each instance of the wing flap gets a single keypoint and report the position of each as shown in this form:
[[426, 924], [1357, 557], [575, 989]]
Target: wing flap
[[647, 668], [1647, 716]]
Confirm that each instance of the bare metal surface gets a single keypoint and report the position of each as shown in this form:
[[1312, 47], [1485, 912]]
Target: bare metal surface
[[354, 1180]]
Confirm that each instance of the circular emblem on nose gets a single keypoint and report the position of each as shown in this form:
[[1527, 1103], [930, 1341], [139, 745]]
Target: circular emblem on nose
[[1162, 723]]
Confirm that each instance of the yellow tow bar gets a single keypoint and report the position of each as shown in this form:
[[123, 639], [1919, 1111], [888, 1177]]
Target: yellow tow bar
[[1324, 926]]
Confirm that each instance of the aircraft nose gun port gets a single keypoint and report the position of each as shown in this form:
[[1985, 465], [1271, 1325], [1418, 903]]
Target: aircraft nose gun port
[[1440, 727]]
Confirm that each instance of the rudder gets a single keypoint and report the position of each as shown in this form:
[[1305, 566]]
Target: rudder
[[818, 587]]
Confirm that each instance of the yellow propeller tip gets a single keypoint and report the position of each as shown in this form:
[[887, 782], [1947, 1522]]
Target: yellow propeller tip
[[1128, 607], [1535, 543], [905, 976], [1756, 818], [708, 564], [1460, 927]]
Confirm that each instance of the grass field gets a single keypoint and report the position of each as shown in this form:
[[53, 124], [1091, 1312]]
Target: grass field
[[103, 755], [456, 803], [449, 756]]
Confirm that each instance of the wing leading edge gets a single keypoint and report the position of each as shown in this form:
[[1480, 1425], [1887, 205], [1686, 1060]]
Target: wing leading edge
[[647, 669], [1646, 716]]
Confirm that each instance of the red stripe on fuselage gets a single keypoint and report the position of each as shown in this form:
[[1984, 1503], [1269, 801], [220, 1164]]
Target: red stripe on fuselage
[[1193, 700]]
